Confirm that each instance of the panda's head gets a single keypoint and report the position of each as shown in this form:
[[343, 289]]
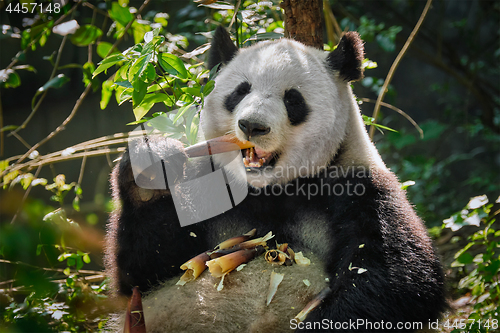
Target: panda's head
[[293, 102]]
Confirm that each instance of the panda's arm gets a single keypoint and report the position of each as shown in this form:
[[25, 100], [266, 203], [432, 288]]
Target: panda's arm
[[145, 242]]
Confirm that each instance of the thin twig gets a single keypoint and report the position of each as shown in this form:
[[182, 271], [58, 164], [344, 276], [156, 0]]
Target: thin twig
[[52, 75], [60, 270], [82, 169], [17, 136], [401, 112], [395, 65], [236, 9]]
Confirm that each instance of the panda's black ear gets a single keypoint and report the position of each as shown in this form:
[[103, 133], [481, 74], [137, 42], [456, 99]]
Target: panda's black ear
[[347, 58], [222, 48]]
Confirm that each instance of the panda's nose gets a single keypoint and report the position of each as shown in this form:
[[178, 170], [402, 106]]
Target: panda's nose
[[253, 128]]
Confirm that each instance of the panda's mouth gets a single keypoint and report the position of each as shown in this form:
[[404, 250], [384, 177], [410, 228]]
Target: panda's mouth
[[256, 158]]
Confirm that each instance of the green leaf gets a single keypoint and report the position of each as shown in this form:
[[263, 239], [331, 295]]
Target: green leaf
[[121, 73], [147, 103], [150, 72], [85, 35], [108, 62], [207, 88], [173, 65], [163, 124], [136, 70], [182, 111], [139, 30], [104, 49], [120, 14], [9, 79], [123, 96], [86, 258], [88, 69], [107, 91], [193, 91], [125, 84], [56, 82], [137, 97]]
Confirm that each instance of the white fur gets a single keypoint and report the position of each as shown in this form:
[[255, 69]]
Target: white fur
[[272, 68]]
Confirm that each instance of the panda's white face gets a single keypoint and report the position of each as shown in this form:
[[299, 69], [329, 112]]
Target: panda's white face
[[282, 97]]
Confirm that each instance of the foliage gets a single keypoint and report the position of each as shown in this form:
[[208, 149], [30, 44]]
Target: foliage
[[479, 260]]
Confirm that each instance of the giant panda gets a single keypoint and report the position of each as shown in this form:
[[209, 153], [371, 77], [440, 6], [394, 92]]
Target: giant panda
[[315, 180]]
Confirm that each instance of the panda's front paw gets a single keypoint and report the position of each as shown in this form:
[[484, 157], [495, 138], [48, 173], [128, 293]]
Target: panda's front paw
[[157, 162]]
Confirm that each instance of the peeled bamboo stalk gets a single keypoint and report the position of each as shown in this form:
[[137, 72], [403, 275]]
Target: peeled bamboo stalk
[[194, 267], [313, 304], [236, 240], [222, 144], [225, 264], [262, 241]]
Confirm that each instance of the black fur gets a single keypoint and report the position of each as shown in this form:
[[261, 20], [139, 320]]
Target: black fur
[[237, 96], [296, 107], [347, 57], [222, 48], [377, 231]]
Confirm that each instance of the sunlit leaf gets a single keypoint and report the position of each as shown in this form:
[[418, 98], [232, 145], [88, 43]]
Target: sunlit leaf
[[173, 65], [107, 91], [108, 62], [120, 14], [136, 70], [104, 49]]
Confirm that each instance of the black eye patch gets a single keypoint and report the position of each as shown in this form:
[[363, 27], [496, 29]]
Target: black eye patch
[[296, 106], [237, 95]]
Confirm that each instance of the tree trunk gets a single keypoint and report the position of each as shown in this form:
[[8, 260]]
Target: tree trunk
[[304, 21]]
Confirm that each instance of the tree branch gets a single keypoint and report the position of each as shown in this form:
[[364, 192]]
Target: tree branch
[[395, 65]]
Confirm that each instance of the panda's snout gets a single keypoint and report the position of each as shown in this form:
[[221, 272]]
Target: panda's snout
[[253, 129]]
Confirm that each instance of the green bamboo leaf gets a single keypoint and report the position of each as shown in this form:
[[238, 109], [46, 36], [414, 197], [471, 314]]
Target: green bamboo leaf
[[136, 71], [125, 84], [123, 96], [108, 62], [137, 97], [173, 65], [56, 82]]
